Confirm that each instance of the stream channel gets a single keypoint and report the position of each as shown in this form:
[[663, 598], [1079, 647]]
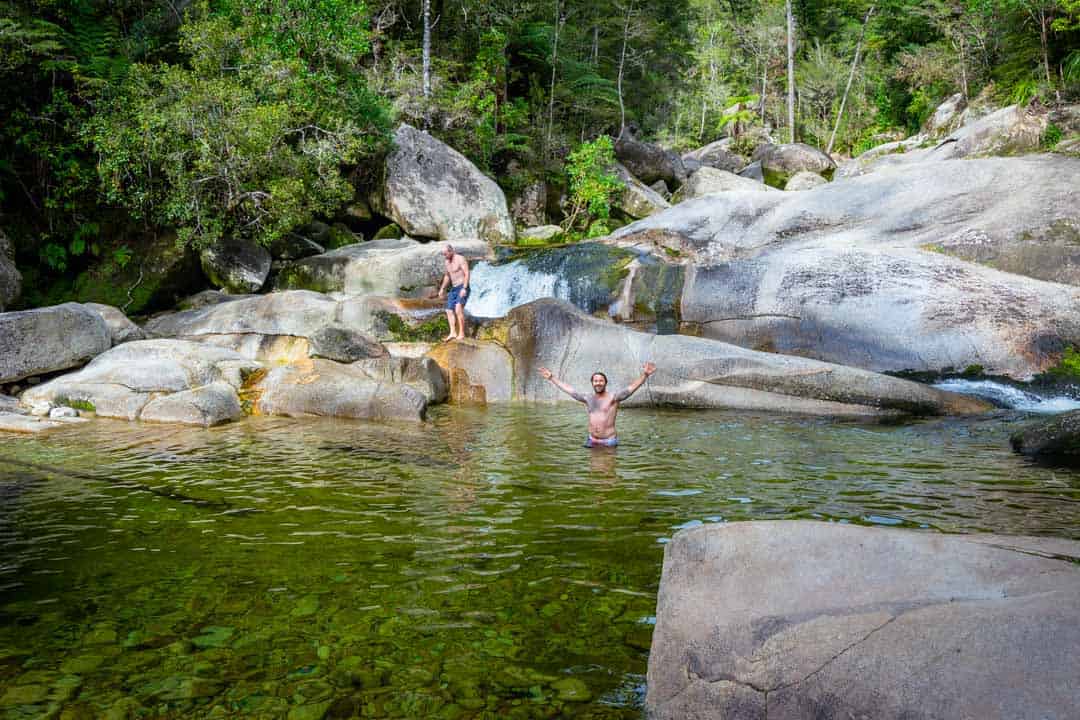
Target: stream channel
[[480, 565]]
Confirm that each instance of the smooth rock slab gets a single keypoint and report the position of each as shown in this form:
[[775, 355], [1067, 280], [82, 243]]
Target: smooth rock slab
[[811, 620], [330, 389], [44, 340], [135, 376], [25, 424], [208, 405], [121, 328]]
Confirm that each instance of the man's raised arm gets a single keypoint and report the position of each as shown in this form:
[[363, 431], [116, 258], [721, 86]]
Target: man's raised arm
[[546, 374], [648, 370]]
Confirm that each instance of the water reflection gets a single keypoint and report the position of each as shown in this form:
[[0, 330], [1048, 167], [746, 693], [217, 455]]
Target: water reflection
[[482, 564]]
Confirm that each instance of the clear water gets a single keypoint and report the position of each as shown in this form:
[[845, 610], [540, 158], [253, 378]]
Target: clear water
[[483, 565]]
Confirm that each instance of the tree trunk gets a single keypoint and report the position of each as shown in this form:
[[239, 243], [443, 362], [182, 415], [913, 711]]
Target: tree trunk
[[963, 67], [427, 48], [764, 85], [622, 65], [554, 66], [791, 70], [595, 45], [850, 77]]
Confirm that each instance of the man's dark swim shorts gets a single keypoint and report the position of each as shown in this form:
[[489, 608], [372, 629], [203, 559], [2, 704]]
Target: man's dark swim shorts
[[591, 442], [455, 297]]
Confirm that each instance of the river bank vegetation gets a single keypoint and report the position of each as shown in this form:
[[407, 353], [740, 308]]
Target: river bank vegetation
[[188, 122]]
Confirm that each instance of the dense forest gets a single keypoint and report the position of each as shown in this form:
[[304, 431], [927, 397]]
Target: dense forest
[[201, 120]]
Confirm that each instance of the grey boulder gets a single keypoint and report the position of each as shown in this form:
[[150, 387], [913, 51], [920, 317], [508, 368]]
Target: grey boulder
[[393, 267], [433, 191], [637, 199], [798, 619], [805, 180], [700, 373], [344, 344], [707, 181], [143, 375], [780, 162], [121, 328], [44, 340], [236, 265], [649, 162], [1053, 438], [329, 389], [717, 155]]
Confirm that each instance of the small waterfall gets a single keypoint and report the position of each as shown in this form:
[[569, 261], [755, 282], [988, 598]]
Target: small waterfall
[[497, 289], [1007, 396]]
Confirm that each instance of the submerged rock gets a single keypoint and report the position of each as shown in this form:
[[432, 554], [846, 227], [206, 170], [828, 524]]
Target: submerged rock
[[433, 191], [44, 340], [699, 373], [830, 620], [170, 380], [1054, 438]]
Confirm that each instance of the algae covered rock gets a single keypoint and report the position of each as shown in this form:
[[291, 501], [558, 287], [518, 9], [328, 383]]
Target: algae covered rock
[[236, 265], [433, 191], [44, 340], [1054, 438]]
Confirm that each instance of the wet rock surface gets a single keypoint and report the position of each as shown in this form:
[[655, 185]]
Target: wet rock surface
[[1055, 438], [806, 620]]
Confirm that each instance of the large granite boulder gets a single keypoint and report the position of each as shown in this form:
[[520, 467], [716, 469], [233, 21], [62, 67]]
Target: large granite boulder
[[1054, 438], [946, 116], [636, 199], [699, 373], [717, 155], [433, 191], [529, 208], [707, 181], [478, 372], [821, 620], [10, 277], [44, 340], [857, 272], [121, 328], [1011, 130], [780, 162], [394, 267], [329, 389], [288, 326], [154, 380], [648, 162], [236, 265]]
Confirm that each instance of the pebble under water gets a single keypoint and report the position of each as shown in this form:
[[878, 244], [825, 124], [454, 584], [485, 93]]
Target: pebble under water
[[481, 565]]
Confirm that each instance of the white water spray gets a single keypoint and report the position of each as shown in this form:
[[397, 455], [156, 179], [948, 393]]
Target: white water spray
[[498, 289], [1009, 396]]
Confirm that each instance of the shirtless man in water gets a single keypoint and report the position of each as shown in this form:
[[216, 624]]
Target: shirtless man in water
[[457, 276], [601, 405]]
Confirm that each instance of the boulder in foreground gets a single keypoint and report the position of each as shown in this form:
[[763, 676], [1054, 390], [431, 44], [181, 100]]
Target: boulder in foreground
[[819, 620]]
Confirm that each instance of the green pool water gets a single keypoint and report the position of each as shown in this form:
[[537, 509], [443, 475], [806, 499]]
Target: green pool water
[[482, 565]]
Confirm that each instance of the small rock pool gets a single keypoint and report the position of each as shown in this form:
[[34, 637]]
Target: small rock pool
[[482, 565]]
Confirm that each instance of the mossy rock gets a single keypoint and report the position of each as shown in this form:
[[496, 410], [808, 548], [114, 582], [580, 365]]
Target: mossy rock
[[304, 276], [432, 330], [389, 232], [340, 235]]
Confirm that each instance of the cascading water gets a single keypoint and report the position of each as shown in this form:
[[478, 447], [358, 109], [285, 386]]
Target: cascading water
[[1007, 396], [500, 288]]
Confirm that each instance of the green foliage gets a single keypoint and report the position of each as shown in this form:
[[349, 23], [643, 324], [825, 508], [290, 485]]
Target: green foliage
[[247, 138], [1068, 368], [1051, 136], [592, 185]]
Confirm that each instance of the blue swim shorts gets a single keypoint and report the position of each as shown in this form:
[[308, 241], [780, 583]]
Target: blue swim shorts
[[591, 442], [455, 297]]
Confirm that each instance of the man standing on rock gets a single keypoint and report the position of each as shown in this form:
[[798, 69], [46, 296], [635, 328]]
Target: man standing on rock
[[602, 406], [457, 276]]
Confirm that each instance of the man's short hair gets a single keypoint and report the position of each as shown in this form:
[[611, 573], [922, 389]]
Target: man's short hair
[[600, 374], [448, 247]]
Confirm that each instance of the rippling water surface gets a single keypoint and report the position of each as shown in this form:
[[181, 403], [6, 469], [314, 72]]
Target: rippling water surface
[[483, 565]]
